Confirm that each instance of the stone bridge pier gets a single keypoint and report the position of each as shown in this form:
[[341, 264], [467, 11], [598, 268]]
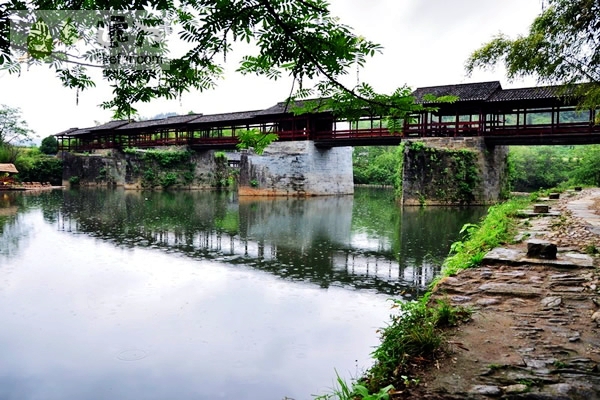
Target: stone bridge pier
[[296, 169], [448, 171]]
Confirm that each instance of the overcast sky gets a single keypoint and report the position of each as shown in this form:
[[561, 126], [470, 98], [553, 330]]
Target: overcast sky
[[426, 43]]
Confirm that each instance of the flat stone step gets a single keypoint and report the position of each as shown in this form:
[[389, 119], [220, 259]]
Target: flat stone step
[[502, 255], [510, 289]]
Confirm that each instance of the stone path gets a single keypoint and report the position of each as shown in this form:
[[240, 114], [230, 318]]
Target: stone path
[[535, 330]]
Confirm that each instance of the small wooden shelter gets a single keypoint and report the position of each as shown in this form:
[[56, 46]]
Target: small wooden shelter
[[6, 170]]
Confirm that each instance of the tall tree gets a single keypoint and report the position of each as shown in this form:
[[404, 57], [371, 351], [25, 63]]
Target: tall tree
[[299, 38], [562, 47], [13, 129]]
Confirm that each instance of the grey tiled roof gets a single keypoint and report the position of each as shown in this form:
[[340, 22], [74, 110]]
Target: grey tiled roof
[[175, 121], [285, 107], [214, 118], [66, 132], [74, 132], [465, 92], [109, 125], [530, 93]]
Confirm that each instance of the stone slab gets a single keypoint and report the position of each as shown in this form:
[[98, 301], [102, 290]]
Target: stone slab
[[510, 289], [530, 213], [537, 248], [501, 255]]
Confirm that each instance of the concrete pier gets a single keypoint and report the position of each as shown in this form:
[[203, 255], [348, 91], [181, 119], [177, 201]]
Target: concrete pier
[[447, 171], [296, 169]]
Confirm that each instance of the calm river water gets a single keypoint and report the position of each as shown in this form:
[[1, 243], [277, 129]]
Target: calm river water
[[126, 295]]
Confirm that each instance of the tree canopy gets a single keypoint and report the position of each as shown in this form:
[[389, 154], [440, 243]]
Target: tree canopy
[[13, 129], [49, 145], [562, 47], [299, 38]]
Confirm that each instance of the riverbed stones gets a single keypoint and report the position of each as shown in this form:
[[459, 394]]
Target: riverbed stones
[[460, 299], [514, 389], [551, 301], [537, 248], [486, 390], [510, 289], [488, 301]]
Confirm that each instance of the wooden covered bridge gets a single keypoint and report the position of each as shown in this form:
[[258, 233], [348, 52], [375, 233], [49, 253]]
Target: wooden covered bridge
[[535, 115]]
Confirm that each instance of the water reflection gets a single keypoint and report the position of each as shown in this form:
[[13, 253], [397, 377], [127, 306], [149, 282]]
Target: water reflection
[[363, 242], [115, 295]]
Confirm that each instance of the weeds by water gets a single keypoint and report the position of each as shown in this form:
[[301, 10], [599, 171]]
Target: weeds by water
[[497, 228], [356, 390], [415, 336]]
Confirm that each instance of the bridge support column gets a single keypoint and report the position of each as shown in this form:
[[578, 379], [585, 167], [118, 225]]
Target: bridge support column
[[446, 171], [296, 169]]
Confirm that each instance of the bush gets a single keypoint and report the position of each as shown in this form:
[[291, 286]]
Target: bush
[[43, 169], [414, 334], [168, 179], [49, 145]]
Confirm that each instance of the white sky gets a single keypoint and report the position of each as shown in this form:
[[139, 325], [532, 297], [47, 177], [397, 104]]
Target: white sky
[[426, 43]]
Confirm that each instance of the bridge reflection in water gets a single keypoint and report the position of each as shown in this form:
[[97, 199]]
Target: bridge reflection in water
[[362, 242]]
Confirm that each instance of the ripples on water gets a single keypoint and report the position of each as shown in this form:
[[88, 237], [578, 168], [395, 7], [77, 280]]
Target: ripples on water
[[111, 294]]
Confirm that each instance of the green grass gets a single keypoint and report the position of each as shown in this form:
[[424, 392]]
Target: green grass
[[345, 391], [497, 228], [415, 334]]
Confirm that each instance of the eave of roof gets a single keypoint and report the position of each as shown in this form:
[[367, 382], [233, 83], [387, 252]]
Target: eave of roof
[[10, 168]]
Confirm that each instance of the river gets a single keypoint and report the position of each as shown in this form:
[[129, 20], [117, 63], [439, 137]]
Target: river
[[107, 294]]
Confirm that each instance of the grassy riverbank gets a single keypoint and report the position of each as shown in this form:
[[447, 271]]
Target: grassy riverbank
[[414, 339]]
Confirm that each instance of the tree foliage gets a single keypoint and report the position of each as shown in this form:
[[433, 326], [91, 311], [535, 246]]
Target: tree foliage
[[545, 167], [13, 129], [254, 138], [49, 145], [299, 38], [377, 165], [540, 167], [562, 46]]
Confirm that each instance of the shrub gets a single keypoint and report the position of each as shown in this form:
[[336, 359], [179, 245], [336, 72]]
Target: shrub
[[49, 145]]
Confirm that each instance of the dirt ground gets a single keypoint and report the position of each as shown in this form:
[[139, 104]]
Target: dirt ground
[[534, 332]]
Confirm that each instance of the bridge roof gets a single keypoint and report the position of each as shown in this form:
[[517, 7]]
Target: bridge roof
[[226, 117], [480, 91], [530, 93], [285, 107], [109, 125], [169, 121]]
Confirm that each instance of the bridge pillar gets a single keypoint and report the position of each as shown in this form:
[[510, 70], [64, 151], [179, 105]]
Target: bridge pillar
[[296, 169], [446, 171]]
